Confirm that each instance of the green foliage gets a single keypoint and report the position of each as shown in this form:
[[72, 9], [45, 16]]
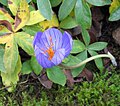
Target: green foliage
[[82, 56], [10, 78], [56, 75], [2, 67], [35, 66], [20, 23], [114, 10], [99, 2], [65, 8], [68, 23], [78, 46], [98, 61], [86, 36], [97, 46], [26, 68], [25, 42], [44, 7], [55, 3], [83, 14]]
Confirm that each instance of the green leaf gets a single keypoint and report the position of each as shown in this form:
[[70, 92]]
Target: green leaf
[[98, 62], [28, 1], [26, 67], [2, 67], [82, 56], [83, 14], [55, 3], [11, 54], [65, 8], [4, 2], [99, 2], [32, 29], [86, 36], [11, 78], [56, 75], [78, 46], [68, 23], [97, 46], [35, 66], [72, 60], [24, 40], [35, 17], [45, 9], [22, 16], [114, 10]]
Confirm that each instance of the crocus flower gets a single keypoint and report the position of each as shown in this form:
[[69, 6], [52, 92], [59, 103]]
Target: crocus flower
[[51, 47]]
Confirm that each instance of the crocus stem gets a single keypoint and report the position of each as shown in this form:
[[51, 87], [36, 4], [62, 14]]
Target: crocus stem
[[109, 55]]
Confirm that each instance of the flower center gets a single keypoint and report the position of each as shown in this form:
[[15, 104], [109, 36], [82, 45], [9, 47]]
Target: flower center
[[50, 50]]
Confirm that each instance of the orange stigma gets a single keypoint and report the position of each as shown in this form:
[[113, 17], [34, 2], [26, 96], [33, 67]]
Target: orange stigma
[[50, 51]]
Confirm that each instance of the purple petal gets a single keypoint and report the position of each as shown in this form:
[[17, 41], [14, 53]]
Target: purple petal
[[56, 36], [37, 38], [44, 62], [58, 56], [38, 50], [67, 43]]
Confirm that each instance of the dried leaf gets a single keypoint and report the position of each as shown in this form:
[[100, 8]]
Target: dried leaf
[[45, 81], [5, 16], [22, 15], [50, 23], [87, 74], [13, 6], [70, 80], [7, 24], [4, 39]]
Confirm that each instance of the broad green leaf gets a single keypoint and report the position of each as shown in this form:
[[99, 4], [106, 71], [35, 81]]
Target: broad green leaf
[[13, 6], [35, 66], [2, 67], [68, 23], [11, 78], [11, 54], [86, 36], [45, 9], [56, 75], [97, 46], [35, 17], [24, 40], [82, 56], [99, 2], [26, 67], [5, 16], [83, 14], [55, 3], [114, 10], [4, 2], [4, 39], [78, 46], [28, 1], [22, 16], [32, 29], [49, 23], [98, 61], [72, 60], [65, 8]]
